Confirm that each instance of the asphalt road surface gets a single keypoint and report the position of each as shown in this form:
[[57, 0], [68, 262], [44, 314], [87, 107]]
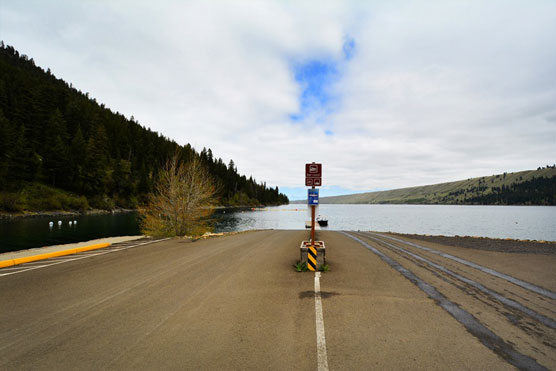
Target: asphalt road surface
[[236, 303]]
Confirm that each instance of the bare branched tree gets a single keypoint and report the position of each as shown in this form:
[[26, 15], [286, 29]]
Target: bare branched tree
[[181, 200]]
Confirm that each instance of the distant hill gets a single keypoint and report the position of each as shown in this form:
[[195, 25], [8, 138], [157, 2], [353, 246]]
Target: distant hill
[[531, 187], [61, 149]]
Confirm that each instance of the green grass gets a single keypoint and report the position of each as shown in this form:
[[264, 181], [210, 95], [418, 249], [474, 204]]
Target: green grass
[[39, 197], [301, 267], [324, 268]]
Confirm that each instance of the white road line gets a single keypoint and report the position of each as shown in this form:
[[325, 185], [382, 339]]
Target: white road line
[[79, 256], [322, 360], [23, 269], [55, 259]]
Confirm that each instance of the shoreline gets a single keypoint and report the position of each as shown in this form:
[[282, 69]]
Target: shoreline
[[507, 245], [4, 215], [61, 213]]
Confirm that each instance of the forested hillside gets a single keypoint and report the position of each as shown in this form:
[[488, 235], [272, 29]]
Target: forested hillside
[[531, 187], [60, 149]]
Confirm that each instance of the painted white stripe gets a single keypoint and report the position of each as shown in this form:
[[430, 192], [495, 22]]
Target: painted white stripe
[[322, 360], [78, 256], [25, 268]]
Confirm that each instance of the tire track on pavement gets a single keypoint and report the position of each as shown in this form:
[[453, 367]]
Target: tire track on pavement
[[526, 285], [508, 302], [472, 324]]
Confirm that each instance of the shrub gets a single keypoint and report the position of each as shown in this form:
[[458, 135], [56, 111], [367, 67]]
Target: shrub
[[78, 203], [180, 202], [102, 202], [11, 202]]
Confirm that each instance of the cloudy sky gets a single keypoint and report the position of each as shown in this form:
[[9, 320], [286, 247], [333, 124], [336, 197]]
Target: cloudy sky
[[386, 94]]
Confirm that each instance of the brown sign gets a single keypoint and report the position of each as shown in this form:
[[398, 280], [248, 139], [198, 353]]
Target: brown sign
[[313, 175], [313, 182], [313, 170]]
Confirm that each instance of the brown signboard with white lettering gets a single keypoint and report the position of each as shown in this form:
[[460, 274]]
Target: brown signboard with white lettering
[[313, 182], [313, 175]]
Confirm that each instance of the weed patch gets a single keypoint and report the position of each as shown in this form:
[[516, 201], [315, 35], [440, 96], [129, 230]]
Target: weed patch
[[324, 268], [301, 267]]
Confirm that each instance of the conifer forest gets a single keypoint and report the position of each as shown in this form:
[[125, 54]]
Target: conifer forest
[[61, 149]]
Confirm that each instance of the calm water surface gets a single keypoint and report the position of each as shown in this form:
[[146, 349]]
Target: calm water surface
[[25, 233], [520, 222]]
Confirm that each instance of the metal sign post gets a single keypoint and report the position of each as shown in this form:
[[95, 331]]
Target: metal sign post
[[313, 252], [313, 178], [313, 223]]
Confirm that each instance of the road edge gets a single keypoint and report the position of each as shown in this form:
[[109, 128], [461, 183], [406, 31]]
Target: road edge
[[28, 259]]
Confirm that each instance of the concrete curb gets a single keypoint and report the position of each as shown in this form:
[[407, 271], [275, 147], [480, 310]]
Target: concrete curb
[[27, 259]]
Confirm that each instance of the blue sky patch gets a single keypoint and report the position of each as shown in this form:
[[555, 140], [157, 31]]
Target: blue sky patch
[[317, 77], [348, 48]]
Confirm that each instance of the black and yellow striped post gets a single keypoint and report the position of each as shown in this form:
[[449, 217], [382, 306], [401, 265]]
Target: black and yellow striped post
[[312, 258]]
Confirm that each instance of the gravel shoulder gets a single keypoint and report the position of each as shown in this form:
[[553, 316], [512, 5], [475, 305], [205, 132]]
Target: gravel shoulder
[[488, 244]]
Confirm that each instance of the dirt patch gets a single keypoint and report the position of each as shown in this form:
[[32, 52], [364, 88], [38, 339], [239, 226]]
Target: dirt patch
[[489, 244]]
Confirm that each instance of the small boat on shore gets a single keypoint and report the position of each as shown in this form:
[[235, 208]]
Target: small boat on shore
[[308, 225], [322, 220]]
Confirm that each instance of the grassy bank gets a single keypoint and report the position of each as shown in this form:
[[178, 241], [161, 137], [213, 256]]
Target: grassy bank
[[39, 199], [35, 196]]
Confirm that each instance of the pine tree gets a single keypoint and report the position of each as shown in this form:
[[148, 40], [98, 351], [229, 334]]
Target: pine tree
[[122, 179], [6, 139], [143, 186], [57, 164], [96, 162], [23, 164], [53, 133], [78, 154]]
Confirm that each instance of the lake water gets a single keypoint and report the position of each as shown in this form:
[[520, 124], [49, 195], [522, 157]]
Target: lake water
[[519, 222], [25, 233]]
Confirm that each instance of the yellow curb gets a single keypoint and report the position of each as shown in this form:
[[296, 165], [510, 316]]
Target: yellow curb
[[92, 247], [6, 263], [27, 259]]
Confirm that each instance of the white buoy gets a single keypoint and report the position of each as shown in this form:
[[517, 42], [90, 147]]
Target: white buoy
[[75, 222], [70, 222], [59, 222], [51, 224]]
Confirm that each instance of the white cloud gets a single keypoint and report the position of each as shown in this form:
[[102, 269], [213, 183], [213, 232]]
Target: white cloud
[[436, 90]]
